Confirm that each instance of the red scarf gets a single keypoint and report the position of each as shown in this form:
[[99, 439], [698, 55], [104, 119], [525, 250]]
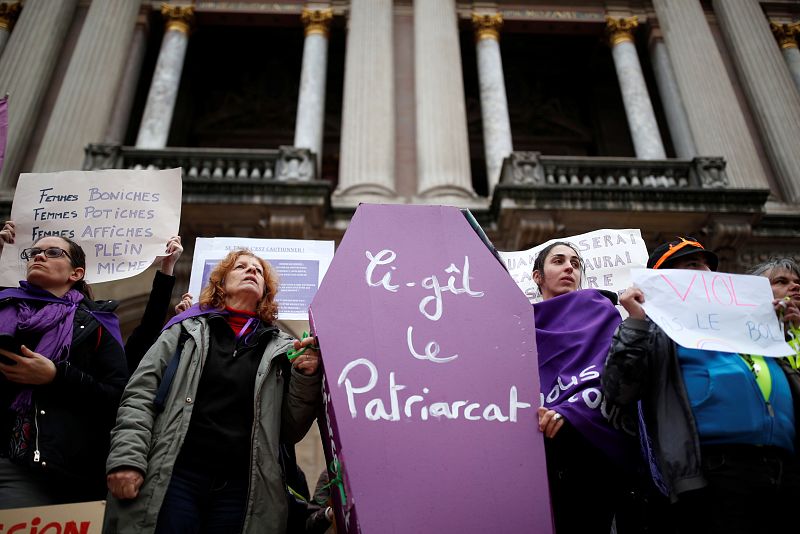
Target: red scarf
[[237, 319]]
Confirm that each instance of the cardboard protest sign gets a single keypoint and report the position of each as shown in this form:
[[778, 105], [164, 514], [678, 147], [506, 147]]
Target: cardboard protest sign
[[121, 218], [79, 518], [713, 311], [431, 380], [608, 257], [300, 264]]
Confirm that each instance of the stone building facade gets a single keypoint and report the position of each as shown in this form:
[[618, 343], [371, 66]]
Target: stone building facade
[[678, 117]]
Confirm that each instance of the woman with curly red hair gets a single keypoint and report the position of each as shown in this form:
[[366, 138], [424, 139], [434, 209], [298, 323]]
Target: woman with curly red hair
[[202, 454]]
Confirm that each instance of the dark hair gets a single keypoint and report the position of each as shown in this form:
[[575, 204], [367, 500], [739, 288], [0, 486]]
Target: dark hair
[[765, 267], [538, 263], [77, 258]]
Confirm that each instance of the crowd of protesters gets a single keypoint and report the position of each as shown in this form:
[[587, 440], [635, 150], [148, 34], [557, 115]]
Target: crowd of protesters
[[190, 426]]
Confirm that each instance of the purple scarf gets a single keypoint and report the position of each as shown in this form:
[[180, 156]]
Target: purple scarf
[[197, 310], [53, 323], [194, 311], [573, 335]]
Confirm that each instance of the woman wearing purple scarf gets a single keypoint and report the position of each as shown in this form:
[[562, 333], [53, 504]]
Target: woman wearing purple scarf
[[587, 445], [60, 387], [202, 454]]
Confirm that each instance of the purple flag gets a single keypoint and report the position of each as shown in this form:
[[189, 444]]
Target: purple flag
[[430, 382], [573, 335], [3, 128]]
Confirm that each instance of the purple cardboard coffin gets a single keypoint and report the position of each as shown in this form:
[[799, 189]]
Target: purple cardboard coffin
[[431, 382]]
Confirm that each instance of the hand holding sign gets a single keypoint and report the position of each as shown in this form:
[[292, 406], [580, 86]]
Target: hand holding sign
[[173, 252], [787, 311], [632, 300], [7, 234]]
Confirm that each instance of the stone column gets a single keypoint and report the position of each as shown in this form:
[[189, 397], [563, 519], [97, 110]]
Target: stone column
[[786, 35], [715, 118], [9, 11], [157, 116], [638, 108], [309, 126], [443, 166], [118, 125], [671, 99], [769, 88], [84, 103], [494, 105], [26, 67], [366, 166]]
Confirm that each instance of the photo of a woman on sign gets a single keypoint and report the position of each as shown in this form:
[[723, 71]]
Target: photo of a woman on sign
[[587, 447], [62, 372], [201, 453]]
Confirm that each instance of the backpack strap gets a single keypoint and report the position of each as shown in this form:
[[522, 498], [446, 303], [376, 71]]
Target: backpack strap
[[169, 374]]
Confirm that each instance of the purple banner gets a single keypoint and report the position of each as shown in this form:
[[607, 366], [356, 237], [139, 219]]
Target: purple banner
[[573, 335], [431, 384], [3, 128]]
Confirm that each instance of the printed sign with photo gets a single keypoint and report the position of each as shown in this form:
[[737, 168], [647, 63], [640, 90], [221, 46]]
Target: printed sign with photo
[[300, 265]]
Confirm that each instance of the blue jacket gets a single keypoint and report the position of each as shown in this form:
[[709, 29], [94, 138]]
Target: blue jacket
[[643, 365]]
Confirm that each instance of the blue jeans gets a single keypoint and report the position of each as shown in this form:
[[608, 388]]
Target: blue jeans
[[198, 502]]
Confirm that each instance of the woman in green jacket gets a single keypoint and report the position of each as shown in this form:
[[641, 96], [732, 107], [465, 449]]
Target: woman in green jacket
[[202, 454]]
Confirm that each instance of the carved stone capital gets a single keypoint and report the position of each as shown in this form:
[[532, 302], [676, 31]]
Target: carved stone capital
[[523, 168], [710, 171], [9, 11], [620, 29], [753, 255], [487, 25], [785, 34], [287, 225], [726, 237], [317, 21], [729, 234], [533, 230], [100, 156], [295, 165], [179, 18]]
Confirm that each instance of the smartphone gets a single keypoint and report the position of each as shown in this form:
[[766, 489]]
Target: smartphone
[[9, 343]]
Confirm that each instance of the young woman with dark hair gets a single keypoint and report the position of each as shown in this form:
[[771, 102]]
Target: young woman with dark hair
[[60, 383], [591, 451]]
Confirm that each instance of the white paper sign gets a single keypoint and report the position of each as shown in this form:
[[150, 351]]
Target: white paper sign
[[78, 518], [713, 311], [300, 264], [608, 257], [121, 218]]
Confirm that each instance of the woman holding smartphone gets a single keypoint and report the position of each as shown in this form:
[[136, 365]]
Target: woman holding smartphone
[[60, 384]]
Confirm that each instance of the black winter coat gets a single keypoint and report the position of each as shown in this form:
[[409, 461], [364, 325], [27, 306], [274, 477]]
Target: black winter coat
[[74, 414]]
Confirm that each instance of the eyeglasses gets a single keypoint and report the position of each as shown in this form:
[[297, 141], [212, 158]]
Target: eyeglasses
[[49, 252], [675, 248]]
